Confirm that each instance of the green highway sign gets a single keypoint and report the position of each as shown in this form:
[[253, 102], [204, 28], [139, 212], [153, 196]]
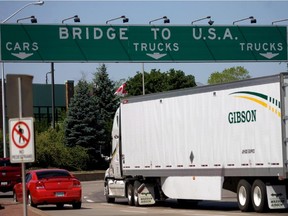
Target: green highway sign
[[141, 43]]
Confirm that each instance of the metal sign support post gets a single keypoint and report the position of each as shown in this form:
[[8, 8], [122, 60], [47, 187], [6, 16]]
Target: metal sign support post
[[143, 82], [3, 111], [53, 95], [22, 164]]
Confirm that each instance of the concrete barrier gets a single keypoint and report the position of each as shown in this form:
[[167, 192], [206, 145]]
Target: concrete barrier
[[90, 176]]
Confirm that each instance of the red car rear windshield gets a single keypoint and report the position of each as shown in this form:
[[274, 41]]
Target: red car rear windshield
[[52, 174]]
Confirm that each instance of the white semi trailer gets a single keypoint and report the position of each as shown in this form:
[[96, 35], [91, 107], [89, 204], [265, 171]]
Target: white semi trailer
[[191, 144]]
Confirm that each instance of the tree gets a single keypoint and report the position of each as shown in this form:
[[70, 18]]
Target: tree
[[177, 80], [229, 75], [84, 124], [107, 103], [156, 81]]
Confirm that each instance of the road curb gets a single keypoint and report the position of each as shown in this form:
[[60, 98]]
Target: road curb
[[37, 211]]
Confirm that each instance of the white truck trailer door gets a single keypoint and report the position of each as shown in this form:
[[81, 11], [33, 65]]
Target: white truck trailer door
[[284, 109]]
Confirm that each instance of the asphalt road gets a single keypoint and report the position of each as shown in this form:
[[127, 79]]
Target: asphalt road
[[94, 204]]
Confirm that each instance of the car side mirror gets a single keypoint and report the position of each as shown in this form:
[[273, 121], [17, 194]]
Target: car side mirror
[[106, 158]]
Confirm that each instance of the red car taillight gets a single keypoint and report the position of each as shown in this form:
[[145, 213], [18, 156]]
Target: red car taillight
[[39, 185], [76, 183]]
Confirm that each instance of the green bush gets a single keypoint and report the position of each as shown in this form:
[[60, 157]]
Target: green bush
[[52, 152]]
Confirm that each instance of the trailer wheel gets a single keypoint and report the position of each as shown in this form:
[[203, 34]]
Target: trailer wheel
[[106, 192], [130, 194], [244, 195], [259, 196], [136, 186]]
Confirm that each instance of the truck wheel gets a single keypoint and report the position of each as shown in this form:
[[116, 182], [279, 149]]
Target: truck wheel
[[259, 196], [244, 195], [136, 198], [130, 194], [106, 191]]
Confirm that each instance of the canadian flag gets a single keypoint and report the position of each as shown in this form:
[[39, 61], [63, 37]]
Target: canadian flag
[[121, 91]]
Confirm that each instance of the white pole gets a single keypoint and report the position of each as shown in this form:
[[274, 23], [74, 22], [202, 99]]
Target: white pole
[[22, 164], [53, 95], [3, 112], [31, 3]]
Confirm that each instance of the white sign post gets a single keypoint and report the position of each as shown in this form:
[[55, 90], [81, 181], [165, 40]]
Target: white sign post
[[21, 140]]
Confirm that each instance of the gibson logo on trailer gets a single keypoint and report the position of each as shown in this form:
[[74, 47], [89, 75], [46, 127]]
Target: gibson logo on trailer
[[264, 100], [242, 116]]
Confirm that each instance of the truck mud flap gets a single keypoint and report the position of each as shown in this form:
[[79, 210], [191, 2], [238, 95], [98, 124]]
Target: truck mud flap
[[146, 194], [276, 195]]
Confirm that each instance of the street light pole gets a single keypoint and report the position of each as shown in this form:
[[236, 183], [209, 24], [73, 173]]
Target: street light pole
[[166, 20], [3, 75], [279, 21], [143, 82], [31, 3], [53, 95], [210, 22], [124, 18], [252, 20], [32, 18], [283, 20], [3, 112], [76, 19]]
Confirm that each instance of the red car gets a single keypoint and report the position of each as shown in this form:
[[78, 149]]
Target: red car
[[50, 186], [10, 174]]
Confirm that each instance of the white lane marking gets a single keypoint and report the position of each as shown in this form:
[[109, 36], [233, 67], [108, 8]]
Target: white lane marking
[[139, 208], [130, 211]]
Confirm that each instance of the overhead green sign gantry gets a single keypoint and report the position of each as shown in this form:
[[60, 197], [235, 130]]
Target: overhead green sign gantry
[[141, 43]]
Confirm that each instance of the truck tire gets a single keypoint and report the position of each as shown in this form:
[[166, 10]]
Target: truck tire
[[244, 195], [130, 194], [106, 191], [136, 186], [259, 196]]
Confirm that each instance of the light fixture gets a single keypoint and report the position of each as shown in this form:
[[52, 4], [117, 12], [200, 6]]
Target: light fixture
[[31, 3], [166, 20], [76, 19], [32, 18], [124, 18], [210, 22], [252, 20], [279, 21]]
